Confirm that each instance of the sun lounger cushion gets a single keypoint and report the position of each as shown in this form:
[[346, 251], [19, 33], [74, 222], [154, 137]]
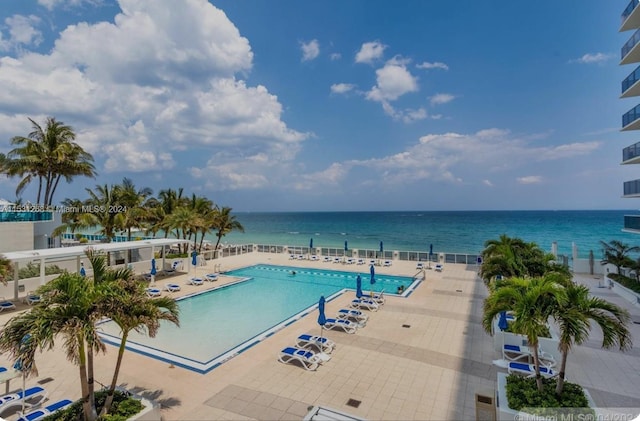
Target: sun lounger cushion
[[529, 370], [322, 343], [39, 414], [308, 359], [365, 304]]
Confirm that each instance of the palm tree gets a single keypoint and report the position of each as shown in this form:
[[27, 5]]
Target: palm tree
[[131, 200], [47, 154], [224, 223], [617, 253], [105, 203], [5, 269], [532, 301], [185, 221], [502, 257], [573, 317]]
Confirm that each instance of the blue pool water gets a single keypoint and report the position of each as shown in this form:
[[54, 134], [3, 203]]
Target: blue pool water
[[218, 324]]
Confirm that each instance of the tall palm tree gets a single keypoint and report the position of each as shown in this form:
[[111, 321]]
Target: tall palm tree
[[617, 253], [574, 316], [5, 269], [502, 257], [532, 302], [185, 221], [131, 201], [224, 223], [47, 154], [104, 202]]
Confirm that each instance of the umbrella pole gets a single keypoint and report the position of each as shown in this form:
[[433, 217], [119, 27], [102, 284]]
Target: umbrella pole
[[24, 382]]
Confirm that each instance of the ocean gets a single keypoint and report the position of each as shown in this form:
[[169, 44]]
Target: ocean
[[463, 232]]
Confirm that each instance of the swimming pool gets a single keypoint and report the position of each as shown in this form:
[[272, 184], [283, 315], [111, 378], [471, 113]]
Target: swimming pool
[[218, 324]]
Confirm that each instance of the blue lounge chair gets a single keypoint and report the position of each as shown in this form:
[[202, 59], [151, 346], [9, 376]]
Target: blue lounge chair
[[6, 305], [438, 268], [420, 266], [346, 325], [195, 281], [308, 359], [211, 277], [376, 298], [174, 267], [321, 343], [16, 399], [32, 298], [355, 315], [39, 414], [172, 287], [529, 370], [154, 292], [366, 304], [524, 354]]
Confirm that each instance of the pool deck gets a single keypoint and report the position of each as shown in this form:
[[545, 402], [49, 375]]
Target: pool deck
[[430, 370]]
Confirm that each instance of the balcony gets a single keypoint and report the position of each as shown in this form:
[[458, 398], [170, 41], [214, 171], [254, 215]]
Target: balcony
[[631, 154], [631, 119], [16, 216], [632, 223], [630, 52], [631, 16], [631, 84], [631, 188]]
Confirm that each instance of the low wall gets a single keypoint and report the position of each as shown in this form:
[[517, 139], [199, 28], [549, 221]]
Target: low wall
[[629, 295]]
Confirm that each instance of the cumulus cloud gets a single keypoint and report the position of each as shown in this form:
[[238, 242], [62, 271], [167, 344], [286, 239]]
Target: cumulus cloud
[[370, 51], [342, 88], [438, 99], [392, 81], [153, 90], [591, 58], [52, 4], [434, 65], [530, 179], [310, 50], [22, 32]]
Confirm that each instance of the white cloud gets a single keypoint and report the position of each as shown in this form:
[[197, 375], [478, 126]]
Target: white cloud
[[487, 183], [152, 90], [342, 88], [434, 65], [22, 32], [438, 99], [530, 179], [591, 58], [52, 4], [370, 51], [335, 56], [392, 81], [310, 50]]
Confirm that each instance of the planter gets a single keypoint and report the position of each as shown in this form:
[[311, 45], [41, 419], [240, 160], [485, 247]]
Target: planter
[[504, 412], [150, 412]]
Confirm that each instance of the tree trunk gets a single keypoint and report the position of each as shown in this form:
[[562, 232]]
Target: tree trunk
[[39, 188], [91, 383], [563, 367], [536, 364], [53, 190], [84, 384], [112, 388], [215, 249]]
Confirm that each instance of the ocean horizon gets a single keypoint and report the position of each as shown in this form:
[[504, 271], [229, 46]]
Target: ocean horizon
[[463, 232]]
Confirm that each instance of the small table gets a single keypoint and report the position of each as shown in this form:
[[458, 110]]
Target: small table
[[7, 376]]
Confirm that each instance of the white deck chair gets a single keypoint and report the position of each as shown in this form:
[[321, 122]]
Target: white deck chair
[[309, 360], [322, 344], [35, 394], [346, 325]]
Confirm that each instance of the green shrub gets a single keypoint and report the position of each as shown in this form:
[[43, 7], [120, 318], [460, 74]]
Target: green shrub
[[123, 407], [32, 270], [83, 240], [625, 281], [522, 393], [176, 255]]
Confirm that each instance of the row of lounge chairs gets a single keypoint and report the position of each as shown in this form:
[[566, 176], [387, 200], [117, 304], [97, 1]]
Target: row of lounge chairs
[[31, 397], [347, 260], [172, 287], [31, 299], [438, 267]]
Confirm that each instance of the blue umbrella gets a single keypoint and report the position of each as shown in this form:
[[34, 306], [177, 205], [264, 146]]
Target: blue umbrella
[[359, 287], [502, 322], [311, 244], [430, 254], [194, 261], [321, 317], [83, 272], [381, 250], [153, 270], [373, 278]]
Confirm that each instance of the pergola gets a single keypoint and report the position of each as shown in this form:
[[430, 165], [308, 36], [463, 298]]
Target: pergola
[[60, 253]]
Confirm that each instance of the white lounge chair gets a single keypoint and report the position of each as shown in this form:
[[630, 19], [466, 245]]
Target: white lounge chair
[[336, 260], [529, 370], [31, 298], [360, 262], [309, 360], [174, 267], [321, 343], [314, 258], [350, 261], [326, 259], [292, 257], [363, 303], [387, 263], [438, 267], [420, 266], [525, 354], [355, 315], [6, 305], [41, 413], [172, 287], [195, 281], [320, 413], [346, 325], [154, 292], [211, 277], [376, 298], [11, 400]]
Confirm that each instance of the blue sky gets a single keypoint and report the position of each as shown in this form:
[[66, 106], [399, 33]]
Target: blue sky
[[332, 105]]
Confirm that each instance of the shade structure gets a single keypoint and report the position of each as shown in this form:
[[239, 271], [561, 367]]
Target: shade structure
[[359, 287]]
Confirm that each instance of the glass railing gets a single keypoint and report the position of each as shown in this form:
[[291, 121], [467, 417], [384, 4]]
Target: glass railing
[[631, 79], [628, 46], [632, 222], [628, 10], [631, 188], [631, 152], [631, 116], [15, 216]]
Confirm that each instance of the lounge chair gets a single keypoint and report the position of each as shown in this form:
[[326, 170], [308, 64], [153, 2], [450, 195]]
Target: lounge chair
[[321, 343], [346, 325], [172, 287], [211, 277], [16, 399], [31, 298], [438, 267], [174, 267], [350, 261], [309, 360], [154, 292], [420, 266], [326, 259], [363, 303], [292, 257], [355, 315], [360, 262], [336, 260], [6, 305], [387, 263], [376, 298], [318, 413], [525, 354], [529, 370], [41, 413], [300, 257], [195, 281], [314, 258]]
